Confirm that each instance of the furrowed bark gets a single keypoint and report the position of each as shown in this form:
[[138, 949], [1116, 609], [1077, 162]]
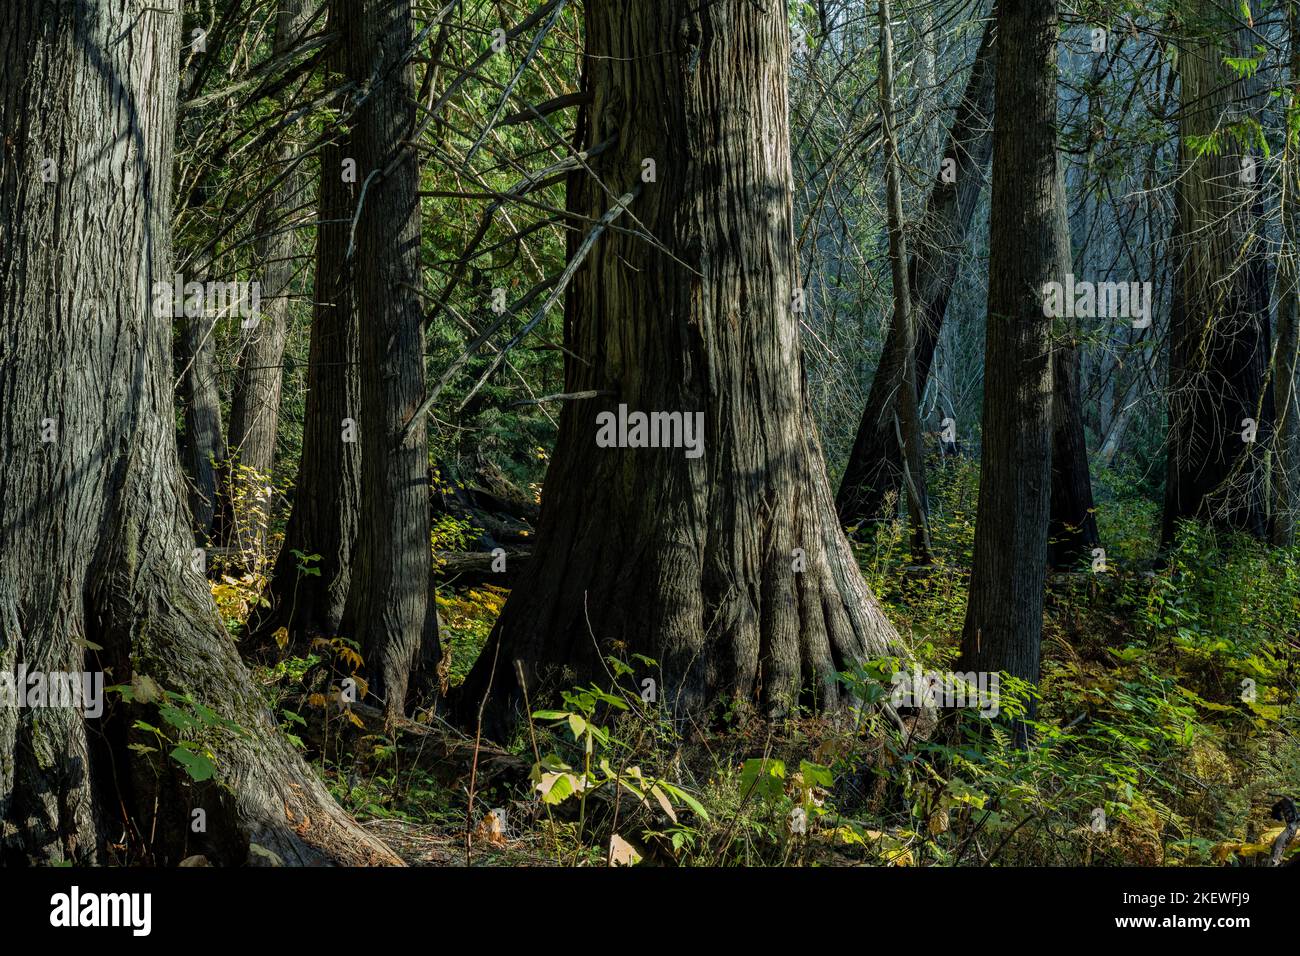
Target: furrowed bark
[[1072, 527], [310, 580], [390, 608], [1004, 615], [203, 446], [729, 568], [906, 413], [255, 401], [1219, 325], [90, 481]]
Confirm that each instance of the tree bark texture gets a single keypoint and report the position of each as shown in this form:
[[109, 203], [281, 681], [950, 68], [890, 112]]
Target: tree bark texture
[[729, 569], [255, 400], [390, 608], [95, 567], [1219, 325], [1004, 614], [1072, 529]]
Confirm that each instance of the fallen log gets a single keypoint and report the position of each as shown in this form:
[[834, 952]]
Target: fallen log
[[475, 568]]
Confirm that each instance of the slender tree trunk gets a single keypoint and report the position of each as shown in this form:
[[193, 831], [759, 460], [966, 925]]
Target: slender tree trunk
[[1219, 334], [1004, 616], [390, 607], [310, 581], [1110, 445], [90, 480], [255, 401], [203, 445], [1072, 529], [874, 470], [906, 414], [721, 560]]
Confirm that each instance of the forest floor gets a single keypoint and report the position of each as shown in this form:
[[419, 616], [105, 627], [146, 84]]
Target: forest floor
[[1166, 731]]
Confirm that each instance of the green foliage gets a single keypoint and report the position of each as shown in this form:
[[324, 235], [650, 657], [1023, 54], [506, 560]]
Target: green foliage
[[187, 726], [604, 756]]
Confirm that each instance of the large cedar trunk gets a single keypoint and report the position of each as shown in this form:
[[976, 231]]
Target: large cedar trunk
[[874, 470], [95, 569], [729, 568], [390, 607], [1004, 615], [1219, 326]]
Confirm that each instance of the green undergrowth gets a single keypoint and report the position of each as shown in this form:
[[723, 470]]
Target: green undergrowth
[[1166, 729]]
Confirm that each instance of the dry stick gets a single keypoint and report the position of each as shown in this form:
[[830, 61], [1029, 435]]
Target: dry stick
[[466, 355], [546, 108], [529, 183], [478, 741], [988, 861], [537, 754], [619, 206], [510, 87], [562, 397]]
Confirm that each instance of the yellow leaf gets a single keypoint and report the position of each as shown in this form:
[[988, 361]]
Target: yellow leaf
[[622, 853]]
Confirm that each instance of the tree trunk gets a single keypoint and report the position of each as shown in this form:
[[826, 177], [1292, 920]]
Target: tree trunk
[[1004, 616], [310, 581], [1219, 333], [1072, 527], [906, 414], [874, 470], [390, 607], [90, 480], [255, 401], [724, 563], [203, 446]]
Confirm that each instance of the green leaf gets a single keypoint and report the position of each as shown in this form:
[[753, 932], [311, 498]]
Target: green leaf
[[815, 775], [687, 799], [198, 766], [762, 777], [664, 802], [551, 715], [177, 717], [557, 787], [577, 726]]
